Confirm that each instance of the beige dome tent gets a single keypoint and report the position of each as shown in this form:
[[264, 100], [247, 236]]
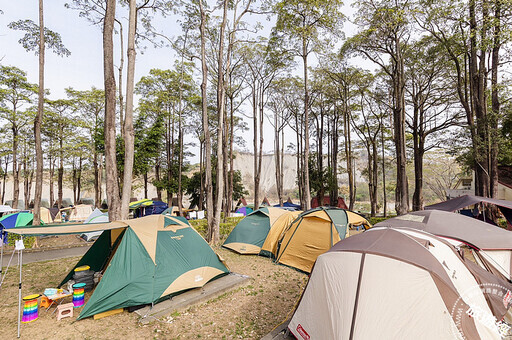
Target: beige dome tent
[[397, 284], [46, 215], [80, 212]]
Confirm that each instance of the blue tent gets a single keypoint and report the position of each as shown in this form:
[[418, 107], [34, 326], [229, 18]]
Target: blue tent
[[289, 206], [156, 208]]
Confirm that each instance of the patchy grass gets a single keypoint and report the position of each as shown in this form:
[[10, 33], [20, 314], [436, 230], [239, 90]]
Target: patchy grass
[[248, 312]]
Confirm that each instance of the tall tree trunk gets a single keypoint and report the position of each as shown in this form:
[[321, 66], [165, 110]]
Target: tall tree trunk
[[277, 157], [129, 134], [495, 102], [79, 179], [384, 201], [37, 122], [120, 70], [417, 134], [157, 179], [15, 168], [97, 183], [202, 177], [219, 190], [375, 176], [204, 114], [231, 162], [402, 190], [348, 151], [113, 200], [52, 176], [477, 85], [73, 177], [60, 174], [307, 191], [145, 185], [255, 99]]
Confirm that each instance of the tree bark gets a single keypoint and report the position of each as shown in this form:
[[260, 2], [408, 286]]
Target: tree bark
[[204, 114], [113, 198], [219, 190], [60, 173], [37, 122], [255, 98], [120, 85], [402, 190], [15, 168], [307, 191], [129, 134], [495, 102]]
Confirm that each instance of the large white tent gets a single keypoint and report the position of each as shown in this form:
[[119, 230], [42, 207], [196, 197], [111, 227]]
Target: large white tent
[[397, 284]]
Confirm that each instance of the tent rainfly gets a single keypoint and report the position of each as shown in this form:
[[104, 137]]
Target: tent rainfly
[[491, 245], [465, 201], [398, 284], [143, 260], [276, 233], [313, 233], [250, 233]]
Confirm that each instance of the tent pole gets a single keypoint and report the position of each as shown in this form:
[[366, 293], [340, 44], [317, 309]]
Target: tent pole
[[20, 261]]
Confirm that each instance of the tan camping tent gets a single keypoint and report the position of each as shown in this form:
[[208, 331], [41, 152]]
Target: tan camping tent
[[276, 233], [80, 212], [46, 216], [313, 233]]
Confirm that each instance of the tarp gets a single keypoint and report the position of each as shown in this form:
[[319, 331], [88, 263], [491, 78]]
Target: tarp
[[313, 233], [64, 229], [141, 203], [7, 209], [155, 257], [465, 201]]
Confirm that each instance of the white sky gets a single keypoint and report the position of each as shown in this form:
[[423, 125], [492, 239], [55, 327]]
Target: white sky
[[84, 68]]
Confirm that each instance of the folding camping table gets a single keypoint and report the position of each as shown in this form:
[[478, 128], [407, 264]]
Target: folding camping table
[[57, 298]]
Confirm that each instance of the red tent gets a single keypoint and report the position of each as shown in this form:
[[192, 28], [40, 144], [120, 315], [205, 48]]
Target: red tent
[[315, 202]]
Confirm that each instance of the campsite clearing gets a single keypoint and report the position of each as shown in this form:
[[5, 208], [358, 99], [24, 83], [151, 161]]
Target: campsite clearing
[[248, 312]]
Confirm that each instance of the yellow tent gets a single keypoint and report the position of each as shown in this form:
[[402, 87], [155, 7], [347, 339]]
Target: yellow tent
[[276, 233], [313, 233], [356, 220]]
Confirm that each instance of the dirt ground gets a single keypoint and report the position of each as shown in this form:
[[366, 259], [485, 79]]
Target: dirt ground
[[248, 312]]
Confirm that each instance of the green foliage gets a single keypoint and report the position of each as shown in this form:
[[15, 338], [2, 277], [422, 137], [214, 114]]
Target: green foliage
[[201, 226], [194, 186], [375, 220], [30, 40]]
